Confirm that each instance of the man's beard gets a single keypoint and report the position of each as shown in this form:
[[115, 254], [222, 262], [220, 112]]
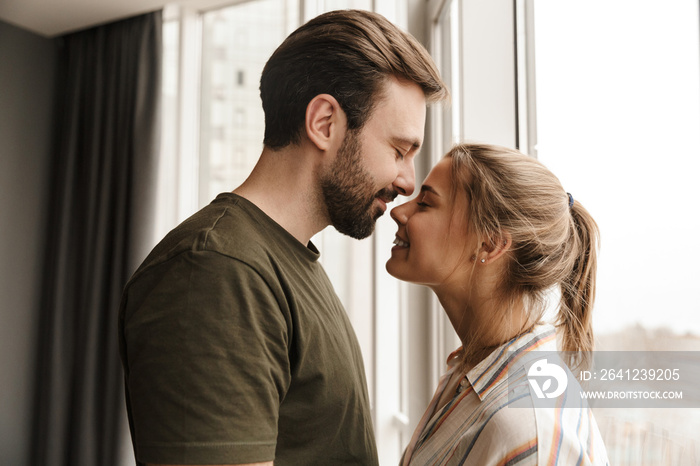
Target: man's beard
[[348, 193]]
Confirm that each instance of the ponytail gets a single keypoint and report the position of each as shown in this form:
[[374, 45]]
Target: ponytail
[[578, 288]]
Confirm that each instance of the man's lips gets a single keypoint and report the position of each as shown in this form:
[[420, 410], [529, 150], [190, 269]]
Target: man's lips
[[385, 197]]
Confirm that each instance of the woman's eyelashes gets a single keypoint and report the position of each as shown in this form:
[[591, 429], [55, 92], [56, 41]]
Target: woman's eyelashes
[[422, 200]]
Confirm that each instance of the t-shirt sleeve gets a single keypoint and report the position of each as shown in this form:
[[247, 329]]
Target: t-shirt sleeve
[[206, 361]]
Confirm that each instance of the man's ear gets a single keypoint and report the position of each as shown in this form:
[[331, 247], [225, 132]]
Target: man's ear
[[323, 120], [495, 247]]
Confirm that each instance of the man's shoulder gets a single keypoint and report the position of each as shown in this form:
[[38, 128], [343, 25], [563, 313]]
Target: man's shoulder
[[227, 227]]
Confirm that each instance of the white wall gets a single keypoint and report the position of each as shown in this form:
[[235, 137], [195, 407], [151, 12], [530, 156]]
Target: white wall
[[27, 70]]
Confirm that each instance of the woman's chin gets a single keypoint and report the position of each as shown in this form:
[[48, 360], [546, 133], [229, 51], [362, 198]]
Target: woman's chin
[[398, 272], [393, 270]]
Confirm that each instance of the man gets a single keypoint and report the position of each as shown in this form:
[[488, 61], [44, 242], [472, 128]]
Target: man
[[236, 349]]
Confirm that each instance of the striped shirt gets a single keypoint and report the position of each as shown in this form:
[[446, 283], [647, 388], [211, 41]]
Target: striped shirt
[[481, 426]]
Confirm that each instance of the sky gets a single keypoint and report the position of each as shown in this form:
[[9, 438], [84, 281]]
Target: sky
[[618, 121]]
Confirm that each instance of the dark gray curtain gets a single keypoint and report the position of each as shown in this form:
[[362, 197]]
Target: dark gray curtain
[[101, 201]]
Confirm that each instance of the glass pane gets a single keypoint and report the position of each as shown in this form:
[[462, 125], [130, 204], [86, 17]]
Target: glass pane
[[166, 189], [236, 43], [618, 104], [329, 5]]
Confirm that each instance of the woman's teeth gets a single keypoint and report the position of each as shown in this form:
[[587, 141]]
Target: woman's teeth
[[401, 243]]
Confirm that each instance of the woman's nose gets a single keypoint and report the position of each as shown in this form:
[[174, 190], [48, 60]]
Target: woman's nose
[[400, 214]]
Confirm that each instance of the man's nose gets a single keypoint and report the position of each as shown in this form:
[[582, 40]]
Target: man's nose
[[405, 182]]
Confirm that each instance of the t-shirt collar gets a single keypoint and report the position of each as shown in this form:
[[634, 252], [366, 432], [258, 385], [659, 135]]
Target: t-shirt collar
[[309, 252]]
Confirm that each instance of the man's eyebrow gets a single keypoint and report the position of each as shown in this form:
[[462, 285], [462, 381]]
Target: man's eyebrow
[[428, 188]]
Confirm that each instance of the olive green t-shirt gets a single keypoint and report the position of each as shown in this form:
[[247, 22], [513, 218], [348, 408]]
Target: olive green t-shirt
[[236, 349]]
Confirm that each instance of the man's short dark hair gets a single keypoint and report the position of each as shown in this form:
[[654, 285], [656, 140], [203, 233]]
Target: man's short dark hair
[[348, 54]]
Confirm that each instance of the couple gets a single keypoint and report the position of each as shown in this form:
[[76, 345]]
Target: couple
[[236, 349]]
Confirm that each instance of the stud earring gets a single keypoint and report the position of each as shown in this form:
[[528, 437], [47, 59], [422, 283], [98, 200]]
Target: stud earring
[[483, 261]]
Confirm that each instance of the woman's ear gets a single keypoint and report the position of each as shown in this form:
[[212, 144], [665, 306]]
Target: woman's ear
[[323, 120], [495, 247]]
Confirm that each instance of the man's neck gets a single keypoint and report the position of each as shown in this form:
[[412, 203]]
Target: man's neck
[[284, 185]]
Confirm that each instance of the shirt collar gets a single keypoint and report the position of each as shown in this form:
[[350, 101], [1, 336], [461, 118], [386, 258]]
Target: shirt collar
[[494, 368]]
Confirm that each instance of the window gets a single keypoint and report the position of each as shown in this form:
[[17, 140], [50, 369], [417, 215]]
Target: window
[[607, 95], [618, 112], [236, 41], [618, 119], [166, 214]]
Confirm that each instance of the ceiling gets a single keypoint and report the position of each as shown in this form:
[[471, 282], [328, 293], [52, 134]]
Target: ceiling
[[51, 18]]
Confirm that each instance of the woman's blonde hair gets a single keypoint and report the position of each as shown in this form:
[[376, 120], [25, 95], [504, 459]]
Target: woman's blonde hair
[[554, 238]]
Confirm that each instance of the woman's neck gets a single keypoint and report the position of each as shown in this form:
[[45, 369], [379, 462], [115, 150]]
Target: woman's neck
[[483, 322]]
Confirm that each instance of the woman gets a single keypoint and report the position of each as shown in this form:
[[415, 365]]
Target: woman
[[492, 232]]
